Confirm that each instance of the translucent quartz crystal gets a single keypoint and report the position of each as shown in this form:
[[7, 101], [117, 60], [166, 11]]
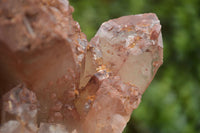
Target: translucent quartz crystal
[[80, 87], [110, 107], [130, 47], [52, 128], [15, 127]]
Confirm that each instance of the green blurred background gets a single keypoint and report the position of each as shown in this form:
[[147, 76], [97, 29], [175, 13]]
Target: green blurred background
[[171, 104]]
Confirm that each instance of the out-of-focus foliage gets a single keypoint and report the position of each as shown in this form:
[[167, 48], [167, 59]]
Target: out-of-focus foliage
[[171, 104]]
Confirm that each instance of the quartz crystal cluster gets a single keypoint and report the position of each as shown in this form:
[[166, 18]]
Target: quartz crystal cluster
[[52, 80]]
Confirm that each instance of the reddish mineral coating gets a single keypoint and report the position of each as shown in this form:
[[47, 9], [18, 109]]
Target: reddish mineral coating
[[80, 88], [42, 46]]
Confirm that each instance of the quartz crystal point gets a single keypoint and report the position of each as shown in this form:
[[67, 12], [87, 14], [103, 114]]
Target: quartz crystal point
[[80, 87], [129, 47]]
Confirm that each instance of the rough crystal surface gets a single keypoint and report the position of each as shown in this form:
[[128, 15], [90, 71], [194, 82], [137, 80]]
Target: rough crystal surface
[[43, 47], [68, 85], [20, 110]]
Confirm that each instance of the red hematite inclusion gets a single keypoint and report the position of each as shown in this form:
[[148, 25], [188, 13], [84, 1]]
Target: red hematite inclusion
[[53, 80]]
